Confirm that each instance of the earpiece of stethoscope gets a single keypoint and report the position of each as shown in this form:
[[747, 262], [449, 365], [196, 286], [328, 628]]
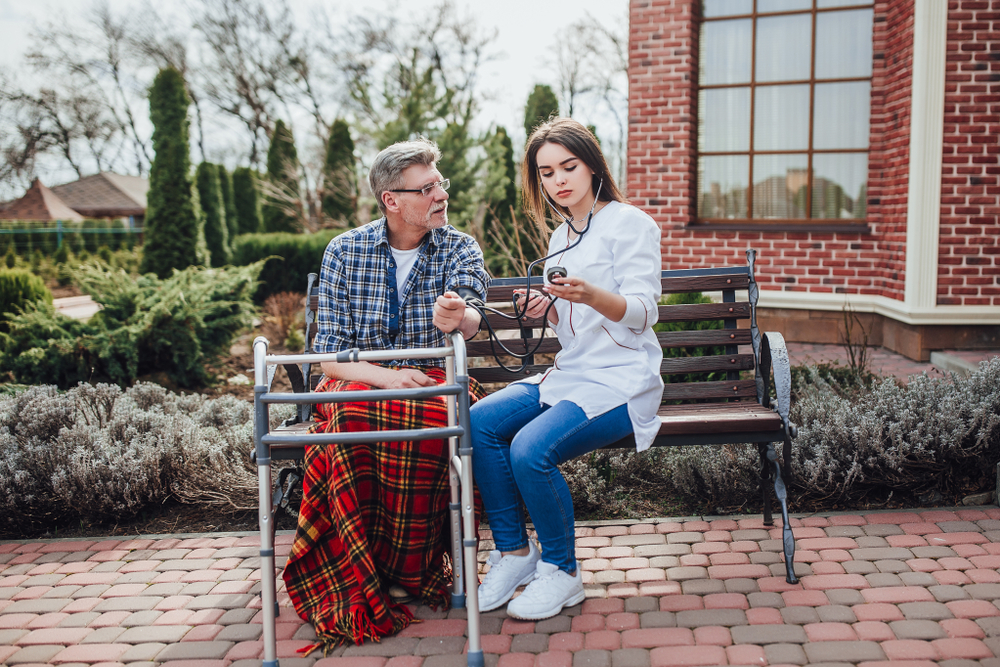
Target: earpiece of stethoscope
[[569, 221], [520, 314]]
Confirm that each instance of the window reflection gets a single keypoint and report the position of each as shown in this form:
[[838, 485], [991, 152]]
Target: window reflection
[[844, 44], [724, 119], [723, 186], [784, 44], [841, 116], [711, 8], [841, 3], [725, 52], [840, 185], [780, 186], [781, 118], [764, 6]]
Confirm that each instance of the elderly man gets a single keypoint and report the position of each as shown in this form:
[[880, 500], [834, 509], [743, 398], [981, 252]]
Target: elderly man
[[374, 516]]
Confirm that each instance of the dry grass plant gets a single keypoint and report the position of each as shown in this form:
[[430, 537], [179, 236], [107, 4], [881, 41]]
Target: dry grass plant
[[97, 453], [282, 312]]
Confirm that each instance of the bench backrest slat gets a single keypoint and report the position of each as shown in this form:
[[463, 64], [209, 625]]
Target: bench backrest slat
[[710, 390], [722, 356]]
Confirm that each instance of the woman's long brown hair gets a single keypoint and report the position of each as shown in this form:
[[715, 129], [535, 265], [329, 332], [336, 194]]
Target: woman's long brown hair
[[579, 141]]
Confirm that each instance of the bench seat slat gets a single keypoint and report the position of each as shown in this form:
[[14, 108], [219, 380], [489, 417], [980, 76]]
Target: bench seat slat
[[675, 420], [717, 418]]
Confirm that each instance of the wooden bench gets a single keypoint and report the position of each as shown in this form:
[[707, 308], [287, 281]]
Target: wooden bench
[[748, 406]]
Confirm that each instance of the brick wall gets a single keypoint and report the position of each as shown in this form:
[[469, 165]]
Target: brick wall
[[969, 254], [662, 161]]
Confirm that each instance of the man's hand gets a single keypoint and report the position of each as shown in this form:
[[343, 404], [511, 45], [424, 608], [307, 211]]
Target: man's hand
[[407, 378], [449, 310]]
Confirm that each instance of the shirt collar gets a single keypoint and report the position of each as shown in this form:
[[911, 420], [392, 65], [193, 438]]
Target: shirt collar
[[382, 234]]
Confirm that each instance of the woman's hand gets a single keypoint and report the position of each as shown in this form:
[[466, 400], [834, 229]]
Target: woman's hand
[[570, 288], [577, 290]]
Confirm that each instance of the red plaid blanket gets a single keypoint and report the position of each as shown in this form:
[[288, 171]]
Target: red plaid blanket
[[372, 515]]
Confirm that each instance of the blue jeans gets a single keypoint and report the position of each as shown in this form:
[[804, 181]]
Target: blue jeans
[[517, 444]]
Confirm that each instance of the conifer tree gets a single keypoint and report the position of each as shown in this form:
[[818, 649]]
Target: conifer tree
[[226, 183], [501, 198], [541, 105], [246, 200], [214, 209], [174, 236], [339, 175], [283, 174]]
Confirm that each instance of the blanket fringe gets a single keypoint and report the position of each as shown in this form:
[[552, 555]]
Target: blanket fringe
[[356, 626]]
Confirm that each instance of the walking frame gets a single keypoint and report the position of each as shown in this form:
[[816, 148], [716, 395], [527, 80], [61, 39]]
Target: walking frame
[[461, 509]]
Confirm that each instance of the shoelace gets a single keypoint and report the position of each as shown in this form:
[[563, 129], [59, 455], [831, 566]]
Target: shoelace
[[489, 580]]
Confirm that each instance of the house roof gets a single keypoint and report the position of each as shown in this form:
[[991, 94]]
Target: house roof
[[105, 195], [38, 203]]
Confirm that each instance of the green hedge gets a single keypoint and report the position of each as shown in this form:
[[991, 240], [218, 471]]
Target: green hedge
[[89, 235], [293, 258]]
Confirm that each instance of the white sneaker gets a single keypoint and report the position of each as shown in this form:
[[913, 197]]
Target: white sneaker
[[551, 590], [505, 575]]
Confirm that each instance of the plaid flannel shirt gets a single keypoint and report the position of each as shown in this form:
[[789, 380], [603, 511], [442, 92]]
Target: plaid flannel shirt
[[358, 304]]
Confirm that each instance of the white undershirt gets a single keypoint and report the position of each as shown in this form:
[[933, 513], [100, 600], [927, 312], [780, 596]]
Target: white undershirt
[[405, 259]]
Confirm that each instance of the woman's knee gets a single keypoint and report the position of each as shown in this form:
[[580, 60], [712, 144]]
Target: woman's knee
[[529, 455]]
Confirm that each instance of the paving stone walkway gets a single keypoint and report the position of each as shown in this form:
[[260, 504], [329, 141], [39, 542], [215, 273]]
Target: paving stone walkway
[[908, 588]]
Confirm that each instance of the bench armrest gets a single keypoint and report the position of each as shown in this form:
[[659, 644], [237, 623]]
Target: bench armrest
[[775, 356]]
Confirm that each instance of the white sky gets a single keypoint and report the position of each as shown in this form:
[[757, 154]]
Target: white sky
[[526, 29]]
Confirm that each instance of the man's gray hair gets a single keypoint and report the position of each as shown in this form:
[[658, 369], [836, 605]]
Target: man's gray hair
[[387, 170]]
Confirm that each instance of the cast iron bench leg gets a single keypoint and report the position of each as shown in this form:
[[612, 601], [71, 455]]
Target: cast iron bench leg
[[788, 541]]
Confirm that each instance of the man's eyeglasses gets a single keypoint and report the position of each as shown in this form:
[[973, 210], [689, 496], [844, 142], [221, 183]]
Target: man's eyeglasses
[[429, 188]]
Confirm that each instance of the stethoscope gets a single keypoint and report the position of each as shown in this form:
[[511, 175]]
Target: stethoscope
[[519, 313]]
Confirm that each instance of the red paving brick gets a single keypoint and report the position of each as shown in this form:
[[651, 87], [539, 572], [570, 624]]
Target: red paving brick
[[742, 579]]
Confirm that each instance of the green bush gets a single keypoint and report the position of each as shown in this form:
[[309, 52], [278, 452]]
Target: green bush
[[175, 326], [292, 258], [19, 288]]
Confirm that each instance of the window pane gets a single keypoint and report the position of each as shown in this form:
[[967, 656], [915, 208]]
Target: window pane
[[781, 118], [841, 3], [779, 187], [783, 47], [724, 119], [841, 115], [840, 184], [710, 8], [844, 44], [725, 51], [722, 186], [782, 5]]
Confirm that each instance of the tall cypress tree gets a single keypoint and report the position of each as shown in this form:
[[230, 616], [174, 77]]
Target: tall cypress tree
[[542, 103], [283, 172], [501, 198], [341, 187], [226, 183], [174, 232], [246, 201], [214, 208]]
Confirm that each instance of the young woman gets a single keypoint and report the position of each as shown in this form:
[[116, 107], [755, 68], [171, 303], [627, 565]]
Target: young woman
[[604, 385]]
